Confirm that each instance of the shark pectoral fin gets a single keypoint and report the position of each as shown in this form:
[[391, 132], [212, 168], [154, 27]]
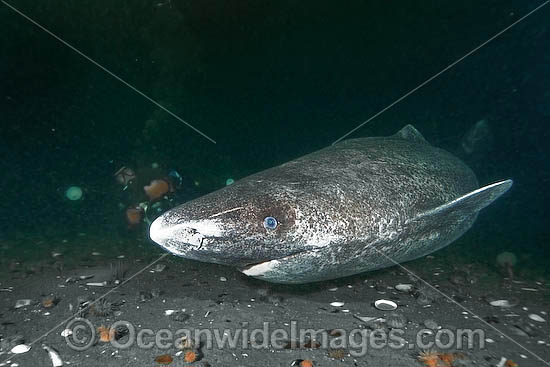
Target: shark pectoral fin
[[467, 205], [285, 269], [409, 132]]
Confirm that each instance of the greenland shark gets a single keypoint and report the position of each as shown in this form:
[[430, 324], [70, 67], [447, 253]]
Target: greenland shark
[[356, 206]]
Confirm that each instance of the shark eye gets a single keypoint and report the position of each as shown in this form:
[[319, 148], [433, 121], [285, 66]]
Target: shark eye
[[270, 223]]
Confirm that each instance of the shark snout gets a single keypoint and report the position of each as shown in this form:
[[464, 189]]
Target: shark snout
[[181, 237], [160, 231]]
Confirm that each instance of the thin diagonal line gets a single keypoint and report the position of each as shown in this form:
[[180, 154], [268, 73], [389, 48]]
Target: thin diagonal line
[[439, 73], [91, 303], [410, 272], [108, 71]]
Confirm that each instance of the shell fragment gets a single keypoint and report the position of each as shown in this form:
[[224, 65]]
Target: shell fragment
[[96, 284], [337, 304], [404, 287], [54, 356], [20, 349], [159, 268], [367, 319], [502, 362], [535, 317], [22, 303], [500, 303], [385, 305]]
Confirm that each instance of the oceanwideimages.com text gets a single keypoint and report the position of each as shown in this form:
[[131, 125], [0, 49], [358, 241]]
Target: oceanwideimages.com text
[[357, 341]]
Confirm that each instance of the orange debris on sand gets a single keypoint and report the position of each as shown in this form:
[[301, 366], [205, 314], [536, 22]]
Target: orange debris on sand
[[164, 359], [49, 302], [190, 356], [510, 363], [106, 334], [447, 358], [306, 363], [431, 358]]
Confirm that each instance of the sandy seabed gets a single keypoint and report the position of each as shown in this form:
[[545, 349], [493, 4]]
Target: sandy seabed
[[473, 317]]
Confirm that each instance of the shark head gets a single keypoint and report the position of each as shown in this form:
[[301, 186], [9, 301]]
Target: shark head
[[241, 225]]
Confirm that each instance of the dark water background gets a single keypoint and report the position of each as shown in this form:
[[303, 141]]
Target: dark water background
[[269, 81]]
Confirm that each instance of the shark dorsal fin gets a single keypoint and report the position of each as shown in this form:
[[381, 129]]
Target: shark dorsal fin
[[466, 205], [409, 132]]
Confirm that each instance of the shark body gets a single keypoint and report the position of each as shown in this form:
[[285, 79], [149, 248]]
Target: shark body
[[360, 205]]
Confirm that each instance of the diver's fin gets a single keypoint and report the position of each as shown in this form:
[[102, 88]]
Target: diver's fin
[[468, 204], [409, 132]]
